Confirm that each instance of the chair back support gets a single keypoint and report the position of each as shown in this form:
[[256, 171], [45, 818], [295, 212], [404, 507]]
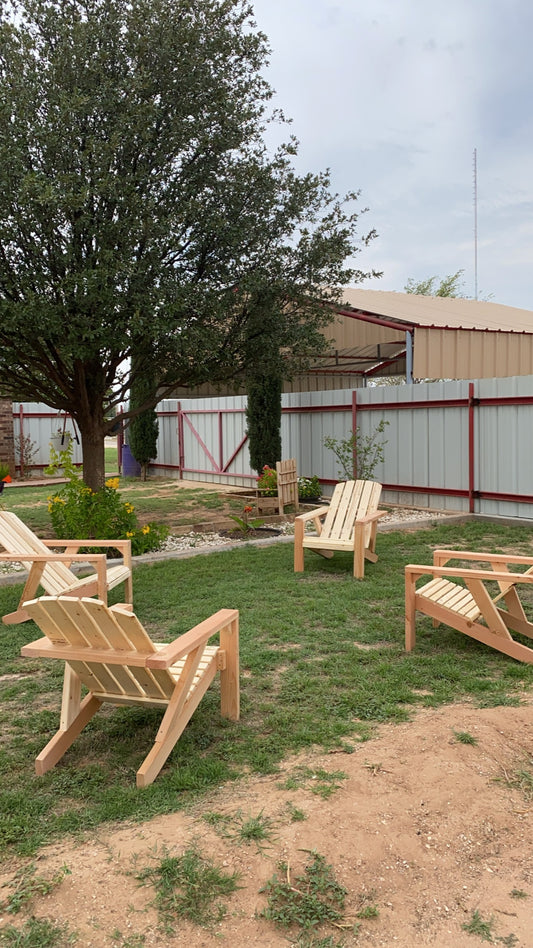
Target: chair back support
[[89, 627], [351, 501], [287, 482], [16, 537]]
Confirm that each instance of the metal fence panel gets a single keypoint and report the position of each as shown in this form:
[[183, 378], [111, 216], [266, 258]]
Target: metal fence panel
[[455, 445], [35, 423]]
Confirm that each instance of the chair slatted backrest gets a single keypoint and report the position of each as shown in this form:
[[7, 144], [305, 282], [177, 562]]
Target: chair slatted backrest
[[88, 626], [16, 538], [351, 500], [287, 481]]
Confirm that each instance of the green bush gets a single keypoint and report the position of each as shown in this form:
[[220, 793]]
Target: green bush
[[77, 512], [267, 482], [309, 488]]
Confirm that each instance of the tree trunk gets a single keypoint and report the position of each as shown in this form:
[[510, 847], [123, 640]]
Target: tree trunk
[[93, 450]]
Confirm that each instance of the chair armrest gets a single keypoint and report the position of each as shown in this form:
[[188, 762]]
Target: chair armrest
[[52, 557], [415, 571], [369, 518], [442, 556], [123, 545], [312, 514], [192, 639]]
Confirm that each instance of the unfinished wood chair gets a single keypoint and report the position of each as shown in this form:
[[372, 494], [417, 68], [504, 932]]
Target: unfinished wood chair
[[108, 651], [287, 479], [52, 571], [470, 599], [287, 486], [349, 523]]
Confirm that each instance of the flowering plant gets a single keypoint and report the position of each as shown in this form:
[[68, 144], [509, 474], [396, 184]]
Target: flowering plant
[[309, 488], [5, 476], [244, 525], [77, 511], [267, 482]]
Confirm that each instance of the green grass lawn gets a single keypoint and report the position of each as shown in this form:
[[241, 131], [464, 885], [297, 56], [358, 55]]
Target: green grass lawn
[[322, 663], [160, 499]]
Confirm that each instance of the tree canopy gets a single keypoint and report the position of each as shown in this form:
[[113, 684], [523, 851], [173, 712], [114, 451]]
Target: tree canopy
[[141, 211], [450, 286]]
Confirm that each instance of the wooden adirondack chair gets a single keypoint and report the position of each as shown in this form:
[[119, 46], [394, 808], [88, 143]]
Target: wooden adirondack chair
[[108, 651], [52, 570], [348, 523], [287, 484], [287, 479], [460, 598]]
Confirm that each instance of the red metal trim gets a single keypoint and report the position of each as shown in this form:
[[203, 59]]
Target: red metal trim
[[354, 429], [21, 440], [202, 444], [416, 489], [181, 441], [198, 470], [220, 443], [471, 445], [237, 451], [493, 495], [366, 317]]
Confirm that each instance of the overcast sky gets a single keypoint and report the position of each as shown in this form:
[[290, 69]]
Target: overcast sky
[[394, 96]]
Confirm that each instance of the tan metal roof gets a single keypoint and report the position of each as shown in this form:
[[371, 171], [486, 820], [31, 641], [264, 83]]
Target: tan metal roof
[[451, 339], [439, 311]]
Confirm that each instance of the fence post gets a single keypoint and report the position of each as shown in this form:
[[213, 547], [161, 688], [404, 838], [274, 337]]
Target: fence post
[[181, 448], [471, 446], [21, 440], [354, 430]]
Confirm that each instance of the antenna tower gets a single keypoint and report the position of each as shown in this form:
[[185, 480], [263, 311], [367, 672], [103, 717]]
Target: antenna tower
[[475, 223]]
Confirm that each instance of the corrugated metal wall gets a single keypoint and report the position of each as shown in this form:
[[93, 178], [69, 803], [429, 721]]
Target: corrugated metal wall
[[449, 445], [38, 423], [442, 450]]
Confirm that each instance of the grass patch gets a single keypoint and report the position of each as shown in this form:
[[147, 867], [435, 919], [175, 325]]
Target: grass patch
[[464, 737], [188, 886], [305, 681], [37, 933], [26, 885], [249, 829], [480, 927], [159, 499], [307, 900]]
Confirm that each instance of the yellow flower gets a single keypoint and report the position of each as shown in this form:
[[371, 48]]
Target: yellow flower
[[129, 534], [146, 529], [50, 507], [129, 508], [112, 482]]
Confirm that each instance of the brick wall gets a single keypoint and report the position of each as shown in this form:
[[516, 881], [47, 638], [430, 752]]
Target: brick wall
[[7, 444]]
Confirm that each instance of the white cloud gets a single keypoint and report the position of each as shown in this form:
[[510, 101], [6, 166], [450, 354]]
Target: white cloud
[[393, 96]]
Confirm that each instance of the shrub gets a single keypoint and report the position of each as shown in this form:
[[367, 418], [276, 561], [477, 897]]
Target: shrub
[[309, 488], [368, 451], [267, 483], [78, 512]]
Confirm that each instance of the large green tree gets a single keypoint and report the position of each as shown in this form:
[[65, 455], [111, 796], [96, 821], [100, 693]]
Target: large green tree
[[140, 207]]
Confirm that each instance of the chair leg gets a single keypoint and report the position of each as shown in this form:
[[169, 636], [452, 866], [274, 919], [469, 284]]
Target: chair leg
[[229, 676], [410, 613], [359, 552], [63, 739], [298, 546]]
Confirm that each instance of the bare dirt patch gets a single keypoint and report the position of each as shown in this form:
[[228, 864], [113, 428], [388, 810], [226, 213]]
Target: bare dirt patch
[[427, 828]]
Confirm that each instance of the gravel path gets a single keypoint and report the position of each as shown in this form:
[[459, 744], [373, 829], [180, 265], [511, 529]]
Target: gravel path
[[191, 543]]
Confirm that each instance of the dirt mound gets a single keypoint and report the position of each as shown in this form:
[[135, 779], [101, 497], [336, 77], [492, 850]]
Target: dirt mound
[[427, 823]]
